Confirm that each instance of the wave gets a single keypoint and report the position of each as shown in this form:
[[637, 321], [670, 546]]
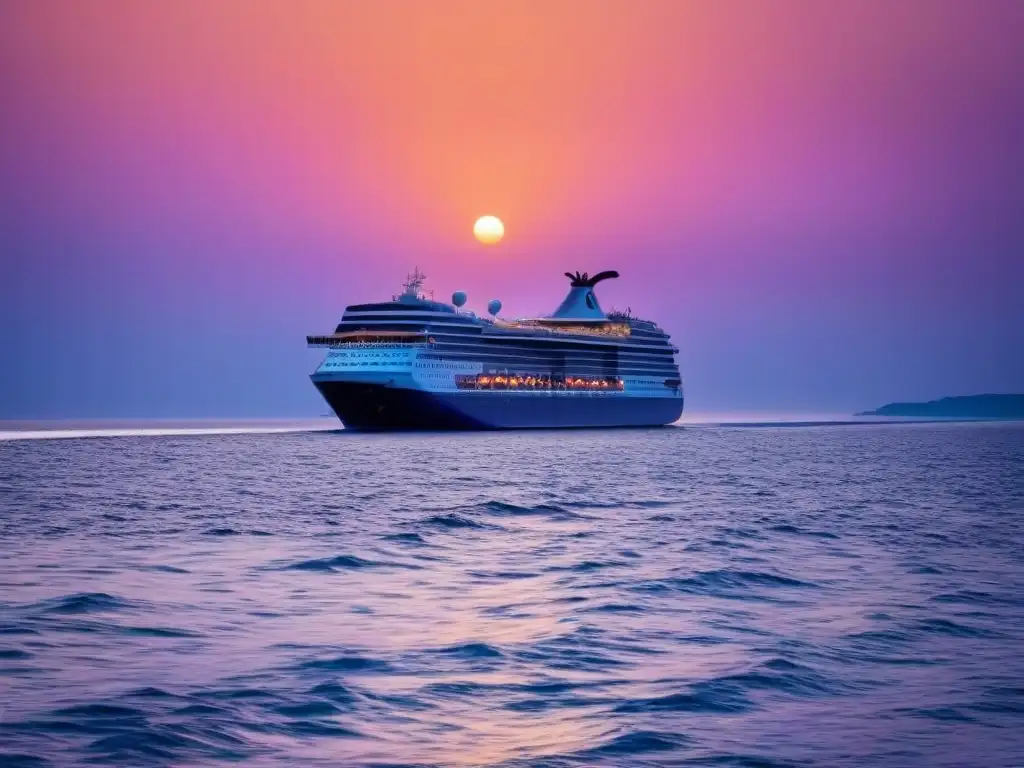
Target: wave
[[333, 691], [227, 531], [453, 520], [406, 538], [503, 575], [640, 742], [951, 628], [472, 651], [99, 710], [730, 694], [504, 509], [308, 709], [616, 608], [83, 602], [587, 566], [14, 654], [352, 663], [798, 531], [343, 563], [975, 597], [151, 692], [729, 583], [706, 698], [158, 632], [116, 733]]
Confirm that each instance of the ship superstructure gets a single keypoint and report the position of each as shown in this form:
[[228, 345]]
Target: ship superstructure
[[416, 363]]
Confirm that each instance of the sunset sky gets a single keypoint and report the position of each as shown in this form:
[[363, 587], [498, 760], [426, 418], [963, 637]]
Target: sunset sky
[[822, 202]]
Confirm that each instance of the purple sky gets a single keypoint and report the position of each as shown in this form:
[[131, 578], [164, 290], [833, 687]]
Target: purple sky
[[822, 203]]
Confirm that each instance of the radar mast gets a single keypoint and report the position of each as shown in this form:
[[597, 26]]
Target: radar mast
[[414, 282]]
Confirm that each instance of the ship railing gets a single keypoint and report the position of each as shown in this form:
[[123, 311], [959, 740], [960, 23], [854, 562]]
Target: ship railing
[[369, 340], [572, 329]]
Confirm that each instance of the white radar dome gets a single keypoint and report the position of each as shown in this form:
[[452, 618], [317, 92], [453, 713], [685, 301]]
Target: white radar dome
[[459, 298], [494, 306]]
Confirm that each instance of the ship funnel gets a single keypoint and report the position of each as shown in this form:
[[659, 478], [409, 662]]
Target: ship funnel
[[581, 303], [576, 280]]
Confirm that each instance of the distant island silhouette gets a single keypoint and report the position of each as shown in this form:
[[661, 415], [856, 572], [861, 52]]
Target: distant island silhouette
[[966, 407]]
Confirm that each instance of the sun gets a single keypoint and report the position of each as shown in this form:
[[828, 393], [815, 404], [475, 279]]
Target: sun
[[489, 230]]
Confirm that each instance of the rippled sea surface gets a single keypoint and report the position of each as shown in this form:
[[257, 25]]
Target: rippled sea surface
[[766, 596]]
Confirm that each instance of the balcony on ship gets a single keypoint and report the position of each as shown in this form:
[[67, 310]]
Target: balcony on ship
[[368, 338]]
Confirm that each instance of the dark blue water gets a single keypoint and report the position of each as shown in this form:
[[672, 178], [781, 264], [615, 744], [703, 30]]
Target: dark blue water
[[688, 596]]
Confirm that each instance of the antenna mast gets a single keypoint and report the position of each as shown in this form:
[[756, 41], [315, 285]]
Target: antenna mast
[[414, 282]]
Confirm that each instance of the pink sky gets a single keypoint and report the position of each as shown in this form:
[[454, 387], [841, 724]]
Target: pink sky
[[801, 192]]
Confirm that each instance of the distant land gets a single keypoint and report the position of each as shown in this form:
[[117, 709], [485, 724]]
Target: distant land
[[968, 407]]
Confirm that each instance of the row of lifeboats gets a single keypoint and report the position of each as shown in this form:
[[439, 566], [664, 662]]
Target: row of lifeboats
[[513, 381]]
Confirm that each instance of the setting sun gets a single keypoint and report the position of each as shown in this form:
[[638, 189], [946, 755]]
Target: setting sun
[[489, 230]]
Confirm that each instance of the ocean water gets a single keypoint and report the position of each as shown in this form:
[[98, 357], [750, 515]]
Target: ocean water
[[702, 595]]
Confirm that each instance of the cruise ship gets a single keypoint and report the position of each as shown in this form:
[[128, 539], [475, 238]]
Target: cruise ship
[[413, 363]]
